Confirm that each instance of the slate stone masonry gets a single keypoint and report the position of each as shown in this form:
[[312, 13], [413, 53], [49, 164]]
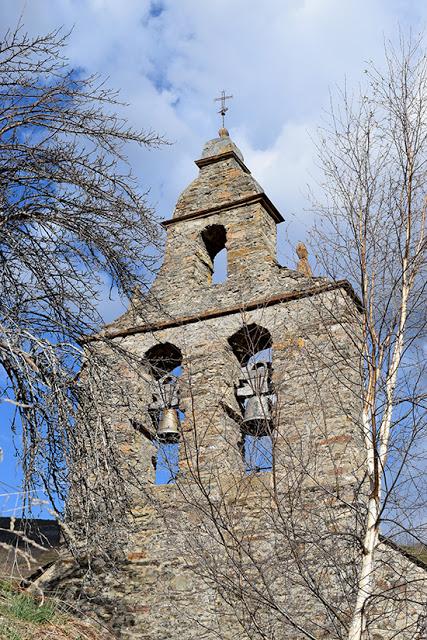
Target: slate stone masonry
[[167, 588]]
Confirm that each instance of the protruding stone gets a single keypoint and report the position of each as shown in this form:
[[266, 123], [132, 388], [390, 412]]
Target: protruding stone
[[221, 145], [303, 265]]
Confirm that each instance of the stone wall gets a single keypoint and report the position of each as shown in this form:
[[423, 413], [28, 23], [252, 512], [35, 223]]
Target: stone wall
[[223, 553]]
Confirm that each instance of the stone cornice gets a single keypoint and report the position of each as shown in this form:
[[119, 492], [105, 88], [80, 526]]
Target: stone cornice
[[217, 313], [251, 199], [203, 162]]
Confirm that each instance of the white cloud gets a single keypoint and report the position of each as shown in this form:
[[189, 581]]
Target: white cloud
[[279, 59]]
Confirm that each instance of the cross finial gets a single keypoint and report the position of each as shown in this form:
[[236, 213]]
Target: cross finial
[[223, 109]]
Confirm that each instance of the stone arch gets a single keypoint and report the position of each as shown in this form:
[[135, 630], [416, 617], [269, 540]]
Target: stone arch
[[164, 362], [249, 341], [162, 359], [252, 346]]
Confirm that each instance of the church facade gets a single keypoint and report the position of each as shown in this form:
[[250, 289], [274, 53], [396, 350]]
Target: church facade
[[238, 417]]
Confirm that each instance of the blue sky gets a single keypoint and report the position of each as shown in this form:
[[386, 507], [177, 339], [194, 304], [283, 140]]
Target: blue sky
[[171, 58], [279, 58]]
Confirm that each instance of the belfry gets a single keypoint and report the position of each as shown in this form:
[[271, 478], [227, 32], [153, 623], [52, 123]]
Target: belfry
[[236, 406], [230, 341]]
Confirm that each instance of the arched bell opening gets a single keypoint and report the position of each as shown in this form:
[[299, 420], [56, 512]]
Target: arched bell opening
[[252, 346], [164, 364], [215, 239], [251, 343], [163, 359]]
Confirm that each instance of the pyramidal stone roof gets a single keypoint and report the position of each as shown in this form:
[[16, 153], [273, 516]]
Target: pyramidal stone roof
[[223, 181]]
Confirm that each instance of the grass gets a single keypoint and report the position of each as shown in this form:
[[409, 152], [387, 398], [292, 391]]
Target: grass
[[25, 617], [20, 613], [22, 607]]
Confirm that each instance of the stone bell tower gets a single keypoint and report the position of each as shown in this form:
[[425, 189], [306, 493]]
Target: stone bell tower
[[212, 334], [236, 408], [238, 396]]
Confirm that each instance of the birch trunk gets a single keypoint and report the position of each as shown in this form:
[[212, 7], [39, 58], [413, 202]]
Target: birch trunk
[[377, 452]]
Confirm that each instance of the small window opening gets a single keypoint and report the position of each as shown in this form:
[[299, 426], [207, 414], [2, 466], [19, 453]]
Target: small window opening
[[219, 273], [215, 238], [257, 453]]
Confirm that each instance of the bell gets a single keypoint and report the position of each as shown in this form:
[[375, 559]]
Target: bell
[[168, 427], [257, 416]]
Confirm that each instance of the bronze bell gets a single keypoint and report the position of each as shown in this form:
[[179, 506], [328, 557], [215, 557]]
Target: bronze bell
[[168, 427], [257, 416]]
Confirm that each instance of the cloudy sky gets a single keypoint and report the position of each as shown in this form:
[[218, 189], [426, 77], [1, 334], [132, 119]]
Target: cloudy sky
[[279, 58]]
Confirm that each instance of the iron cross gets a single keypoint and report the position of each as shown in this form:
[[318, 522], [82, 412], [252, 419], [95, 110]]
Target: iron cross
[[223, 109]]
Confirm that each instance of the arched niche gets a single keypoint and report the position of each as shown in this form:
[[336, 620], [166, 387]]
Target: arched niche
[[163, 358], [249, 341]]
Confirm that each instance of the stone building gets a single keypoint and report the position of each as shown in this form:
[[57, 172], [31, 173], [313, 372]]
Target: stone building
[[236, 404]]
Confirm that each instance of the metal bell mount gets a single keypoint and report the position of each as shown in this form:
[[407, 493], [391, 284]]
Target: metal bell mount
[[255, 395], [168, 426], [165, 405]]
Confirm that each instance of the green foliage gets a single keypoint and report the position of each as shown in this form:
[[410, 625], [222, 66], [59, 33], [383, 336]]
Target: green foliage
[[24, 617], [23, 607], [19, 612], [5, 587]]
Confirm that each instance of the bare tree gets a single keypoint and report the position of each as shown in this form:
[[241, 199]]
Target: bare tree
[[73, 226], [373, 154]]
